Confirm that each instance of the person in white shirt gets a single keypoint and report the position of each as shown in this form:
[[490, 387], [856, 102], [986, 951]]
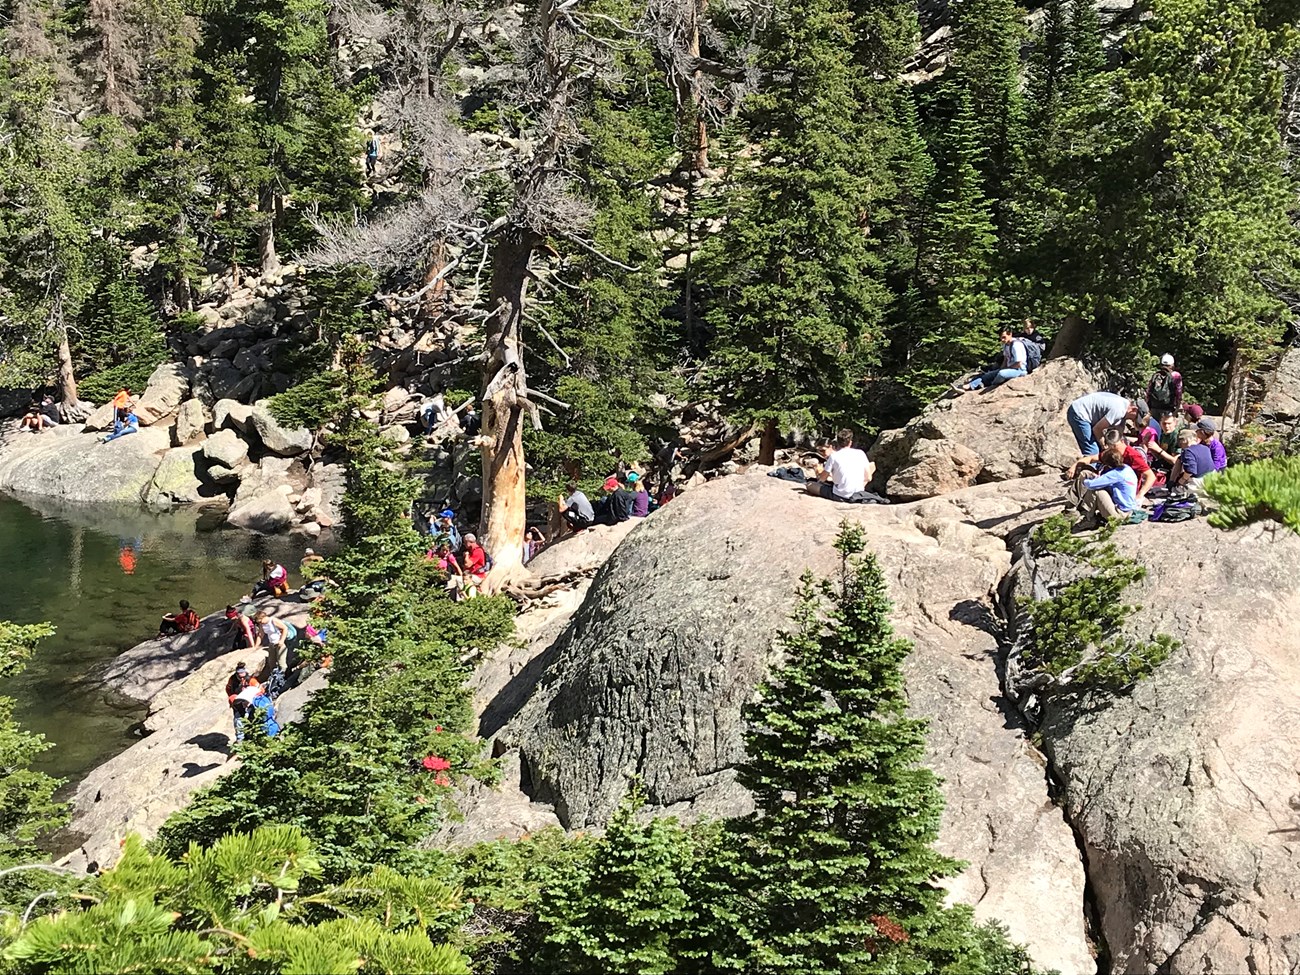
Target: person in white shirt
[[1015, 363], [845, 473]]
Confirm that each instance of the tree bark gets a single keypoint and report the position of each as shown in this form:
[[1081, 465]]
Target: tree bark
[[1072, 337], [504, 498], [700, 154], [767, 445], [68, 398], [266, 235], [434, 303]]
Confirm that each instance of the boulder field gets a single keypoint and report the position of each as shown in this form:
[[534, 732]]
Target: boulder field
[[184, 453]]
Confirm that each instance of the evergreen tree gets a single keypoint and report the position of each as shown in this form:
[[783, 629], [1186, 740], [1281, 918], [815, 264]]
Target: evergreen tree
[[1179, 225], [27, 805], [120, 341], [958, 266], [799, 292], [277, 123], [609, 322], [841, 867]]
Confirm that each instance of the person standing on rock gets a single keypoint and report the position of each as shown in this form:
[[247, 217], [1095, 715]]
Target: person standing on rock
[[444, 530], [121, 399], [275, 634], [1092, 415], [1165, 390], [372, 153], [845, 473]]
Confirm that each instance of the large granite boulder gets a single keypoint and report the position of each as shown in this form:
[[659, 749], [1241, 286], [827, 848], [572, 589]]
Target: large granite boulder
[[278, 439], [262, 501], [1281, 404], [652, 673], [230, 414], [64, 463], [167, 388], [1015, 430], [176, 479], [225, 448], [1185, 790], [191, 424]]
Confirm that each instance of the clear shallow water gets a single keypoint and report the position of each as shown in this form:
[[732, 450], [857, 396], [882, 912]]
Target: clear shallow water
[[104, 576]]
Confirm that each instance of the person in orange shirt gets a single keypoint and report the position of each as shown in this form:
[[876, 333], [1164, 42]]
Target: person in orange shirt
[[121, 398]]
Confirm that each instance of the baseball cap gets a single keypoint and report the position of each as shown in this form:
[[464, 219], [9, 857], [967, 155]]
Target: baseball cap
[[611, 483], [446, 513], [1166, 360], [1194, 412], [633, 477], [1206, 424], [1142, 408]]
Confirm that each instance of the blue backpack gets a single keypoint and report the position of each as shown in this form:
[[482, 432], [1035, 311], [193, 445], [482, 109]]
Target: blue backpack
[[1033, 354], [1176, 509]]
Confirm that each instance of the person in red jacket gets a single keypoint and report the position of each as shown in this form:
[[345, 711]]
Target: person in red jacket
[[174, 624], [476, 563]]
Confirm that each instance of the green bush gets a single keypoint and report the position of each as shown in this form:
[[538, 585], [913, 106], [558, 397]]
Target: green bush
[[1075, 633], [1255, 441], [1267, 490]]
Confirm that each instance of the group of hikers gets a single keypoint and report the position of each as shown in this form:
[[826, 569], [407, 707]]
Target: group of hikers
[[249, 627], [41, 415], [624, 495], [1133, 451], [460, 556]]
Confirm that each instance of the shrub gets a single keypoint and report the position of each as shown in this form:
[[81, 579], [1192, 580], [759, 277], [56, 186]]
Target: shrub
[[1267, 490]]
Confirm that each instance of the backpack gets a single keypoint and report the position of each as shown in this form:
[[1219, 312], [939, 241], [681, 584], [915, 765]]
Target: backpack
[[1160, 396], [1176, 509], [1033, 354]]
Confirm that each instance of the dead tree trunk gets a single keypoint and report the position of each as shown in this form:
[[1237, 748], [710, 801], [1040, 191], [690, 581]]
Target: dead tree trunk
[[504, 499], [266, 205], [68, 398]]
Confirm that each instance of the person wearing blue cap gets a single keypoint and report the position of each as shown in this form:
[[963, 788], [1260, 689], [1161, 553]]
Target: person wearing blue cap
[[444, 530], [640, 496]]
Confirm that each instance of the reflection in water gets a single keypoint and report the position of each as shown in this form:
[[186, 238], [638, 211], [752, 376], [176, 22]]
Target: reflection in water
[[104, 575]]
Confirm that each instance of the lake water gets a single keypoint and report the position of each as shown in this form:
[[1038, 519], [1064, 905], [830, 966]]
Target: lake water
[[104, 576]]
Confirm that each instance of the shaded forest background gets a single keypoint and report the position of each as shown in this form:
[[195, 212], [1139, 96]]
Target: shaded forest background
[[795, 210]]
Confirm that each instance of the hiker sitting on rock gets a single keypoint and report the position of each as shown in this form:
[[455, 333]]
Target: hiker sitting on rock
[[844, 473], [640, 496], [173, 624], [1133, 457], [1110, 494], [1029, 333], [615, 506], [576, 510], [1193, 463], [1014, 363], [126, 422], [275, 580], [240, 681], [34, 420], [1092, 415], [1163, 450], [1207, 435]]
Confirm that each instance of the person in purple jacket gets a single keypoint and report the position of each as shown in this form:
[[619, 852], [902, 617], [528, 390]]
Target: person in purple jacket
[[1193, 463], [1206, 433], [640, 496]]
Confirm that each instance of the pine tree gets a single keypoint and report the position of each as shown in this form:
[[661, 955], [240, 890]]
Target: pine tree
[[797, 274], [120, 341], [277, 123], [842, 869], [1179, 223], [958, 280], [627, 906], [608, 323]]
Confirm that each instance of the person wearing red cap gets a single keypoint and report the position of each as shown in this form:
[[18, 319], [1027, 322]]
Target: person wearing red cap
[[616, 505]]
